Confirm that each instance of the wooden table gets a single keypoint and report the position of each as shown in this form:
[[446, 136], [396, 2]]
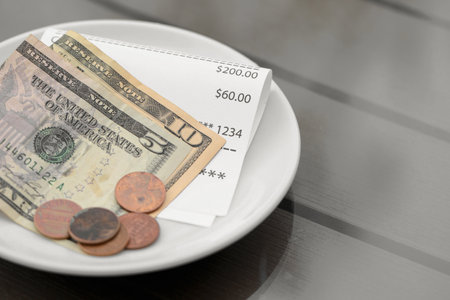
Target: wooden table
[[368, 214]]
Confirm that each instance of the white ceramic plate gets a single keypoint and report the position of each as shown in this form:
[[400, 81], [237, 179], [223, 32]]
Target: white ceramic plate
[[268, 171]]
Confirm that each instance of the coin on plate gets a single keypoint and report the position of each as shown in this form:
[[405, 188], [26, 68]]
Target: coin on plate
[[94, 225], [140, 192], [52, 218], [110, 247], [142, 229]]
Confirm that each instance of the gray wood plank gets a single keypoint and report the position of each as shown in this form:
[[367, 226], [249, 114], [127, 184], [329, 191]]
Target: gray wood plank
[[372, 173], [320, 263], [434, 11]]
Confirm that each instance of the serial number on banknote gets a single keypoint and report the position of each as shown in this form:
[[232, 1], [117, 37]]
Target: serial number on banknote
[[32, 164]]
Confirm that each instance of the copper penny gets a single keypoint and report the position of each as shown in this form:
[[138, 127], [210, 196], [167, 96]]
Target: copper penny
[[142, 229], [111, 247], [140, 192], [94, 225], [52, 218]]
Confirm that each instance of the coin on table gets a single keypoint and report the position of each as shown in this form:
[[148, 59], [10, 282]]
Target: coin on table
[[142, 229], [140, 192], [52, 218], [94, 225], [111, 247]]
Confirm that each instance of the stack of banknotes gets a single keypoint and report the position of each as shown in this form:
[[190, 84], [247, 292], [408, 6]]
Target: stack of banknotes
[[73, 121]]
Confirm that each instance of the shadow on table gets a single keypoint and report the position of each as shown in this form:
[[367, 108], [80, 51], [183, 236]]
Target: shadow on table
[[233, 273]]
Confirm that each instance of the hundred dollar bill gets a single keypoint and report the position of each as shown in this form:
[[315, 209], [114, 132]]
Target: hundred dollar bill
[[62, 135], [203, 142]]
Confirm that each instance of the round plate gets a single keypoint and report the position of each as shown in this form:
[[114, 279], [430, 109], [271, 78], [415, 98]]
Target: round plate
[[268, 172]]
